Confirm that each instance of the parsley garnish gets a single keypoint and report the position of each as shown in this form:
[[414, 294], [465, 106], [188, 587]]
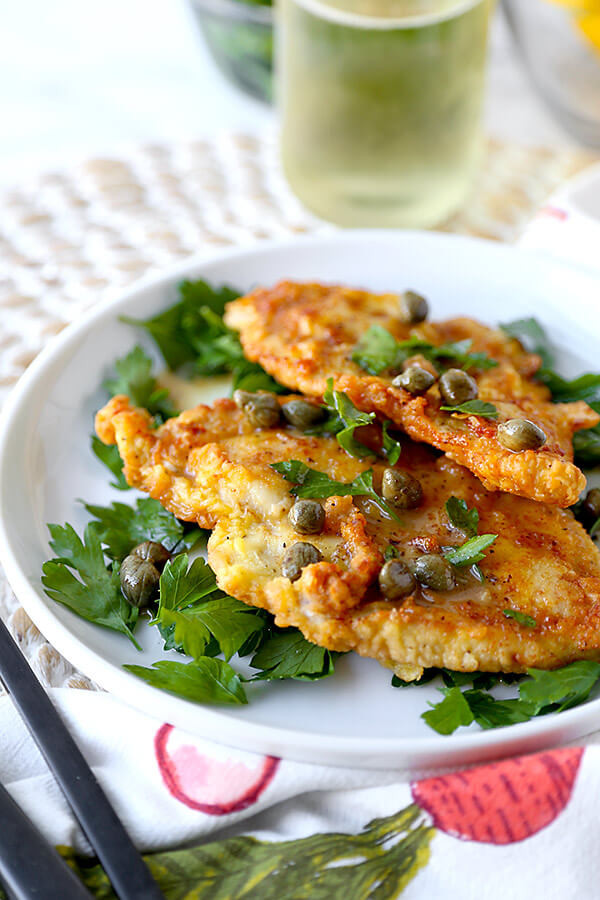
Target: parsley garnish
[[540, 693], [135, 379], [553, 691], [192, 332], [491, 713], [450, 713], [520, 617], [288, 654], [532, 337], [96, 594], [111, 458], [199, 612], [586, 445], [183, 331], [390, 552], [348, 419], [312, 483], [343, 420], [249, 376], [121, 527], [471, 551], [203, 680], [379, 351], [461, 516], [564, 390], [391, 447], [474, 408]]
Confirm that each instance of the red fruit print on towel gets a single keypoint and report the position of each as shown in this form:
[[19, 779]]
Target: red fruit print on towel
[[504, 802], [213, 786]]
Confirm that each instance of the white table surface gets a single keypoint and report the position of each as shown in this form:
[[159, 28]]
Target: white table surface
[[84, 77]]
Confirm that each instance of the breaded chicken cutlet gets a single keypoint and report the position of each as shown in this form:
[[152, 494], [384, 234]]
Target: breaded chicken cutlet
[[305, 334], [212, 466]]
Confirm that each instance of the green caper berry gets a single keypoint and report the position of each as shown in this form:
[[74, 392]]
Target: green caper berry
[[395, 580], [240, 398], [457, 387], [302, 414], [153, 552], [415, 380], [139, 580], [401, 489], [435, 572], [590, 508], [521, 434], [297, 557], [413, 307], [307, 517], [261, 409]]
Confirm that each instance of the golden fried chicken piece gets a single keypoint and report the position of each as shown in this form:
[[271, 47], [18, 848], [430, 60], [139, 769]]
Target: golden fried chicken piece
[[210, 466], [304, 334]]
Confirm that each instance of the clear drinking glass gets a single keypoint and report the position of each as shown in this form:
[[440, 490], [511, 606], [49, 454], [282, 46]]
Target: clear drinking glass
[[381, 105]]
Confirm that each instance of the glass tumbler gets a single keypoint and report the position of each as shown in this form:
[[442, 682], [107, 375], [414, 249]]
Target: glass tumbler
[[380, 106]]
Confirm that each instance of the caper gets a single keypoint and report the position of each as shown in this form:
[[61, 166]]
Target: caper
[[415, 380], [401, 489], [297, 557], [241, 398], [590, 508], [435, 572], [521, 434], [261, 409], [307, 517], [302, 414], [153, 552], [413, 307], [457, 387], [139, 580], [395, 580]]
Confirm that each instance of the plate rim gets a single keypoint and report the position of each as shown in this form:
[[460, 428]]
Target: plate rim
[[307, 746]]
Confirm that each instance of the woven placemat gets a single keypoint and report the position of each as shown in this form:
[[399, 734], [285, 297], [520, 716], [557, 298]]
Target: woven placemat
[[69, 239]]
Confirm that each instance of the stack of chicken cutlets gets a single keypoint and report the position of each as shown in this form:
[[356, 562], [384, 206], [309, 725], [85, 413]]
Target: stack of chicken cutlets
[[408, 499]]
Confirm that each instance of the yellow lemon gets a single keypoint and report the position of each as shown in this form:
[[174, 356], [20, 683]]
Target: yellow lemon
[[580, 6], [590, 25], [587, 17]]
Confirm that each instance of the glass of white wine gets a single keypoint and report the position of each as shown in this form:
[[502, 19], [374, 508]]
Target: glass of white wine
[[381, 106]]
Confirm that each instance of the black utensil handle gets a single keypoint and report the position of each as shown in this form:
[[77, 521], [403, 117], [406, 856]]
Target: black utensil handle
[[122, 863], [30, 869]]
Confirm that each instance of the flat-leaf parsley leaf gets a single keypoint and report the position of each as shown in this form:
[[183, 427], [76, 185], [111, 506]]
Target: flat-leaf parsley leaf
[[312, 483], [520, 617], [204, 680], [379, 351], [121, 527], [471, 551], [474, 408], [96, 594], [461, 516]]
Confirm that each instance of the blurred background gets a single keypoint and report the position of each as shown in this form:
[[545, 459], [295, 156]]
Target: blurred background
[[82, 79]]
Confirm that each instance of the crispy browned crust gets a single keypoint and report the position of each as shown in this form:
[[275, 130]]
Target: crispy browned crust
[[304, 334], [209, 466]]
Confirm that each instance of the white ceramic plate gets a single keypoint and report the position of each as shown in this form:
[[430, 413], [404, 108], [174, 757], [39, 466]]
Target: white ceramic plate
[[355, 717]]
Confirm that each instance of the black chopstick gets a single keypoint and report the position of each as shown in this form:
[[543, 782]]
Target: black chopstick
[[29, 866], [122, 863]]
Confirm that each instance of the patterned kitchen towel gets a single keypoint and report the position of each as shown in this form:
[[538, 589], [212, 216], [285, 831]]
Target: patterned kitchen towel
[[261, 827]]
